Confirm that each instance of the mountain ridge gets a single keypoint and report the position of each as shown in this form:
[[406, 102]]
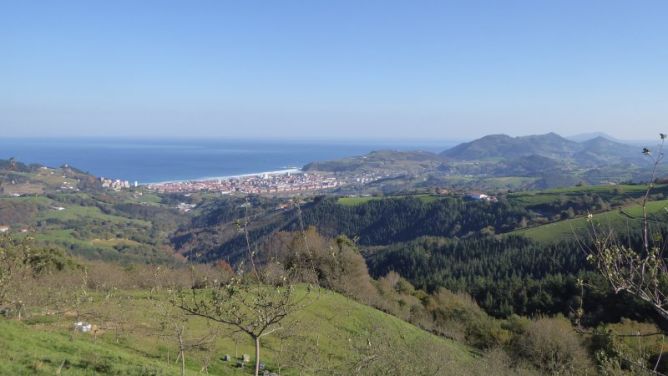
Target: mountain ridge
[[599, 149]]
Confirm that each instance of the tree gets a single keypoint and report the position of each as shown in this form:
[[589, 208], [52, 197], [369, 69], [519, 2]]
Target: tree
[[15, 257], [174, 326], [335, 264], [641, 271], [253, 303], [249, 306]]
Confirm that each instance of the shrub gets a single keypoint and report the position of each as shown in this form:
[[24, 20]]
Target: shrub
[[628, 346], [551, 345]]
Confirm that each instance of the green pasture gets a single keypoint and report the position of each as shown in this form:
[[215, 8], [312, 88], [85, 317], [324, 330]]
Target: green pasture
[[620, 219], [330, 329]]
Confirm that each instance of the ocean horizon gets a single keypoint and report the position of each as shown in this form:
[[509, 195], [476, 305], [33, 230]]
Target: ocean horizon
[[164, 160]]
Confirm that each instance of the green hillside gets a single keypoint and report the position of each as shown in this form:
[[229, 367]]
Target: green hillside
[[621, 219], [129, 226], [615, 193], [359, 200], [332, 332]]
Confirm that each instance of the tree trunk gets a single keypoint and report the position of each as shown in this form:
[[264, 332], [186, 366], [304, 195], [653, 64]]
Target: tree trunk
[[182, 352], [257, 356]]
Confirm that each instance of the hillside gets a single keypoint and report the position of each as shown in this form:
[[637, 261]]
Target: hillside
[[371, 221], [381, 220], [511, 254], [17, 178], [330, 333], [623, 219], [128, 226], [387, 161]]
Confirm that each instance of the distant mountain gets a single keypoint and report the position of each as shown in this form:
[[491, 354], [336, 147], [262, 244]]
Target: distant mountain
[[601, 150], [537, 161], [502, 146], [582, 137], [596, 151], [590, 136]]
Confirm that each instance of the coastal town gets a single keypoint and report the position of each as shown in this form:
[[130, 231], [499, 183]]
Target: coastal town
[[283, 182]]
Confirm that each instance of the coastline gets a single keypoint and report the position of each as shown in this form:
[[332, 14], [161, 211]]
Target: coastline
[[294, 170]]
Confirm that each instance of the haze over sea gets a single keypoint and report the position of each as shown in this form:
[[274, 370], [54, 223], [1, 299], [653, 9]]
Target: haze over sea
[[150, 161]]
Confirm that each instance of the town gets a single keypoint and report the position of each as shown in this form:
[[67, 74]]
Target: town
[[255, 184]]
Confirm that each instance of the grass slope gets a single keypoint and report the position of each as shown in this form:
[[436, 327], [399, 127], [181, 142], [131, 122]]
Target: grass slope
[[354, 200], [614, 219], [332, 329], [607, 192], [32, 350]]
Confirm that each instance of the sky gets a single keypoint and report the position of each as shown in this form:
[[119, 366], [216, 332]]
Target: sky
[[403, 70]]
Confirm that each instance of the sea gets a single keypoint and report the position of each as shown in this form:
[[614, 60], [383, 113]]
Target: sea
[[160, 160]]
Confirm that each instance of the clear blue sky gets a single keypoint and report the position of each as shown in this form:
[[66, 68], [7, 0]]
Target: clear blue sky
[[333, 69]]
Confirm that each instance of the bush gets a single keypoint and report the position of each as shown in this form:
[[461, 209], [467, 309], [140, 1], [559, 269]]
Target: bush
[[458, 316], [551, 345], [628, 346], [485, 332]]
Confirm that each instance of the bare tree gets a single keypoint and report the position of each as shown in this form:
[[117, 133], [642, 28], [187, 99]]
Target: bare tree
[[255, 303], [641, 272], [249, 306], [173, 324]]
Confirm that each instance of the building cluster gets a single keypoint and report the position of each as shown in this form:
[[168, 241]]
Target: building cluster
[[257, 184], [68, 186], [366, 178], [478, 196], [115, 184], [185, 207]]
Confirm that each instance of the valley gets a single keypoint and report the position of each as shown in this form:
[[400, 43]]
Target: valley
[[463, 269]]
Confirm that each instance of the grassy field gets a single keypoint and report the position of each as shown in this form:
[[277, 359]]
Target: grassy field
[[36, 350], [607, 192], [333, 328], [88, 213], [28, 199], [354, 201], [505, 181], [577, 226]]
